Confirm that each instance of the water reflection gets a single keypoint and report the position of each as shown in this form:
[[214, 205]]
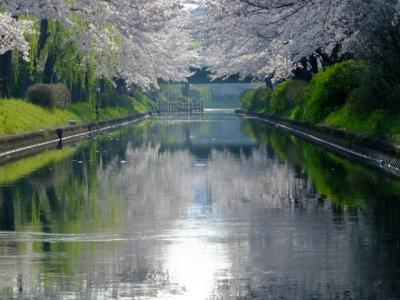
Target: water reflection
[[208, 207]]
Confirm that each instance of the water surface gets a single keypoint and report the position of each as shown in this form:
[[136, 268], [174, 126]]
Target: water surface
[[201, 207]]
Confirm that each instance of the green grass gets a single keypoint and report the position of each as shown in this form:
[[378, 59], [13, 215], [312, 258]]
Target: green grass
[[18, 115], [381, 123]]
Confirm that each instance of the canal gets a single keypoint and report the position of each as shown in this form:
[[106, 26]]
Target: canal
[[201, 207]]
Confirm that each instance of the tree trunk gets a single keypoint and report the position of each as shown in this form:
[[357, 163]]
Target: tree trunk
[[314, 64], [5, 74], [102, 85], [121, 86], [48, 72], [44, 27], [268, 82], [335, 53], [88, 92], [303, 72]]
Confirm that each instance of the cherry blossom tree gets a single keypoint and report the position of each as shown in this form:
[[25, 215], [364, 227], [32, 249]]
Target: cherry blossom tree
[[139, 40], [12, 35], [149, 38], [263, 38]]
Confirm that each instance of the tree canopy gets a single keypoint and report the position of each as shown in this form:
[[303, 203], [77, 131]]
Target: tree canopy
[[144, 41], [139, 41]]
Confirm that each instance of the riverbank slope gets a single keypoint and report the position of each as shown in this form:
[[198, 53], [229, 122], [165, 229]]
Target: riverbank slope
[[20, 116], [344, 97]]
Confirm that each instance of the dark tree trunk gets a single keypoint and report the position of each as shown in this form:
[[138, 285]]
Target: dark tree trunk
[[102, 85], [121, 86], [87, 86], [44, 34], [268, 82], [23, 80], [302, 73], [76, 92], [5, 74], [48, 72], [335, 53], [314, 64]]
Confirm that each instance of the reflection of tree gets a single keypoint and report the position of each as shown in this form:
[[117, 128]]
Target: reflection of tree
[[107, 222], [343, 182], [319, 248], [71, 196]]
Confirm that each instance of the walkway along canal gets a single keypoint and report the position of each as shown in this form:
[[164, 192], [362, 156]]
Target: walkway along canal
[[211, 206]]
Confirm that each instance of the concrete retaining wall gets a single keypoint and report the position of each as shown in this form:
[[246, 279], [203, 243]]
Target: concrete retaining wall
[[16, 144], [362, 148]]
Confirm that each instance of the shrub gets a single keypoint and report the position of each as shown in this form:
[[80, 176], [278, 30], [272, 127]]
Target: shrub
[[256, 100], [247, 98], [286, 97], [49, 95], [360, 100], [261, 99], [328, 90]]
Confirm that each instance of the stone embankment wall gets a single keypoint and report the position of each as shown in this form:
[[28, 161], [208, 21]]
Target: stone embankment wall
[[16, 145], [365, 149]]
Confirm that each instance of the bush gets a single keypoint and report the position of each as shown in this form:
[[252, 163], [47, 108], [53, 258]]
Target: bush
[[50, 95], [247, 98], [360, 100], [261, 99], [329, 90], [256, 100], [286, 97]]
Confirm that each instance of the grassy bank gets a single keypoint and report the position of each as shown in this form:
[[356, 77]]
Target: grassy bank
[[343, 97], [18, 115]]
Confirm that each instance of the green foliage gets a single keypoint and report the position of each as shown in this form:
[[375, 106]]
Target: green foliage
[[49, 95], [256, 100], [261, 98], [343, 96], [70, 65], [329, 90], [286, 96], [247, 98], [361, 100], [280, 101], [111, 98]]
